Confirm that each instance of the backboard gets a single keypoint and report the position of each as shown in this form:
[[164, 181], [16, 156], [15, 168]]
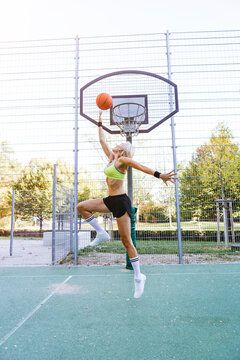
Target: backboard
[[152, 92]]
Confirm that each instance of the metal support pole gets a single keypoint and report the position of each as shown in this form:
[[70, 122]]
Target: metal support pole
[[174, 154], [76, 155], [130, 194], [231, 220], [71, 220], [218, 224], [224, 203], [54, 214], [225, 219], [129, 174], [12, 222]]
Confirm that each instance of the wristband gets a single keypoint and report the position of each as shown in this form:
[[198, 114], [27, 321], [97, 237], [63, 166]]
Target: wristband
[[157, 174], [99, 124]]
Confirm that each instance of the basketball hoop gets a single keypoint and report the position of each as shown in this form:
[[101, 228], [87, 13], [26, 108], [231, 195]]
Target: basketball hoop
[[129, 117]]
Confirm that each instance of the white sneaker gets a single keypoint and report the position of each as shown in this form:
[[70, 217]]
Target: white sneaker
[[139, 286], [101, 237]]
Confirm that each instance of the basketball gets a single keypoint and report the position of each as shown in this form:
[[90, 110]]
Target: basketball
[[104, 101]]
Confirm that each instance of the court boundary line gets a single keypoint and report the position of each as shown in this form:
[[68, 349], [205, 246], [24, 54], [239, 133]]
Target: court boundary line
[[114, 275], [10, 333]]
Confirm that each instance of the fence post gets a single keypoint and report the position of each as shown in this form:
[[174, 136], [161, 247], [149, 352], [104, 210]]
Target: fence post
[[225, 222], [231, 220], [174, 153], [76, 155], [54, 214], [71, 220], [12, 222], [218, 224]]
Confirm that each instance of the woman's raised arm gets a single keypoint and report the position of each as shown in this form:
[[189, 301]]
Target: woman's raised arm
[[102, 140]]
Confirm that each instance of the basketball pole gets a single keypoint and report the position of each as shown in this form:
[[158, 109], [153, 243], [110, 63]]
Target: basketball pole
[[179, 230], [130, 176], [133, 209]]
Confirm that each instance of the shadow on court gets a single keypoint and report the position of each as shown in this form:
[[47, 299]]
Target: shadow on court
[[187, 312]]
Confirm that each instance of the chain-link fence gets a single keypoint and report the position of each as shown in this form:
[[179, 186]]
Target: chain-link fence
[[61, 236], [31, 214], [38, 114]]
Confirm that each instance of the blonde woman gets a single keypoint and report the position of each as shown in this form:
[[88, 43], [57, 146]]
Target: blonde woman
[[120, 158]]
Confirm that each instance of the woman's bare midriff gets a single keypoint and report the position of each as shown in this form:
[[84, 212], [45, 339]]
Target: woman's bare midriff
[[115, 187]]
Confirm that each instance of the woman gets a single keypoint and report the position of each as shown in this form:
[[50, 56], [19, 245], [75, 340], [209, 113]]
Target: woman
[[120, 158]]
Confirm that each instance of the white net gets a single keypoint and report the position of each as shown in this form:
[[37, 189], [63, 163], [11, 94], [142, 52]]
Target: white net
[[129, 117]]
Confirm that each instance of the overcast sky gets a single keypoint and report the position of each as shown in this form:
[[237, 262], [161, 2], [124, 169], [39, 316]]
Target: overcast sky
[[42, 19]]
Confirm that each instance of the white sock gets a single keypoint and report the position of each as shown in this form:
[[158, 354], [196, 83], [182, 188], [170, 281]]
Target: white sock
[[94, 223], [136, 267]]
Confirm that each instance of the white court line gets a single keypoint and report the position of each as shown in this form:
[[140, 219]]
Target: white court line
[[6, 337], [162, 274], [120, 274], [54, 276]]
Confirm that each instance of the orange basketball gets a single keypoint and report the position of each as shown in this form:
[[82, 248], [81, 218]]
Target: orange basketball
[[104, 101]]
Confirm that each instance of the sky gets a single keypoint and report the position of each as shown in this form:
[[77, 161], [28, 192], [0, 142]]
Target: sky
[[46, 19]]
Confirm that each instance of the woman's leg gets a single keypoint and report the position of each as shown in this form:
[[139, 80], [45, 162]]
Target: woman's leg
[[124, 228], [86, 209]]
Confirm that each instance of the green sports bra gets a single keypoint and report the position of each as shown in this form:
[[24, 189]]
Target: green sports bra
[[112, 172]]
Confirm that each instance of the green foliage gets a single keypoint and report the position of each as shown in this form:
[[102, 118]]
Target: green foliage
[[9, 167], [169, 201], [9, 170], [213, 173], [84, 194], [152, 213], [33, 185], [5, 206], [33, 198]]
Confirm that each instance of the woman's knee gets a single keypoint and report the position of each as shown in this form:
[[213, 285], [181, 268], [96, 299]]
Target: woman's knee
[[127, 242], [81, 207]]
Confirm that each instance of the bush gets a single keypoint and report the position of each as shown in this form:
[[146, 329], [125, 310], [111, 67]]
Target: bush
[[152, 213], [22, 233], [4, 232]]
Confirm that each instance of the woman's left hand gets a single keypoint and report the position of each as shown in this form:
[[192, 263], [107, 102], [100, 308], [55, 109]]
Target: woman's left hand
[[168, 177], [100, 116]]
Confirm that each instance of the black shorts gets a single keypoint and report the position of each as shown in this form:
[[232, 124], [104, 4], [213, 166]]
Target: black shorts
[[118, 205]]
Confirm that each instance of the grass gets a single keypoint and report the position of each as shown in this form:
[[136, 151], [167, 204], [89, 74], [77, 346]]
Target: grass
[[185, 225], [201, 226], [162, 247]]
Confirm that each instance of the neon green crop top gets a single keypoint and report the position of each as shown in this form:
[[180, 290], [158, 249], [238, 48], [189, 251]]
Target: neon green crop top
[[112, 172]]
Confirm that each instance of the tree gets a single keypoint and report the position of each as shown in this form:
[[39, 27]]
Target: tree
[[9, 167], [33, 198], [34, 190], [9, 170], [213, 173], [5, 206], [169, 200]]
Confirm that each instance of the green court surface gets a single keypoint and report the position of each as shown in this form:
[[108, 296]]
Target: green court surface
[[186, 312]]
